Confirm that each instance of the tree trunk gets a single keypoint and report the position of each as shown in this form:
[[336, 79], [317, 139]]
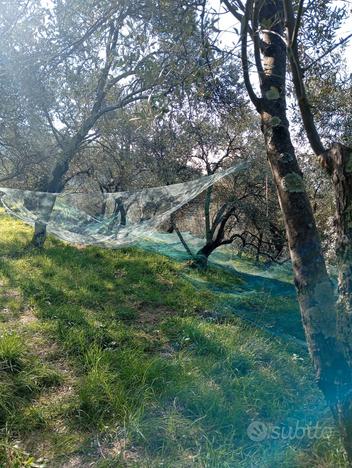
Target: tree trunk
[[55, 185], [259, 246], [207, 203], [201, 258], [39, 235], [338, 163], [315, 291], [170, 229]]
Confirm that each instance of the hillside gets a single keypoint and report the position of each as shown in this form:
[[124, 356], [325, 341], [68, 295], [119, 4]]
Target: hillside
[[129, 358]]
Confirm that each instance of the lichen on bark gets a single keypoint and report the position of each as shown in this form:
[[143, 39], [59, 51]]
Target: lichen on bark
[[349, 163], [293, 182]]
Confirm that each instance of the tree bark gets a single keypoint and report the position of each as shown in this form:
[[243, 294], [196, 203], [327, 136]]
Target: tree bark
[[201, 258], [39, 235], [337, 160], [55, 185], [314, 289], [207, 203], [338, 163], [259, 246]]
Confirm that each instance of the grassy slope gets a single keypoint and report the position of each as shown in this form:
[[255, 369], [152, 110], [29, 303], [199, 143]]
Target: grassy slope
[[115, 358]]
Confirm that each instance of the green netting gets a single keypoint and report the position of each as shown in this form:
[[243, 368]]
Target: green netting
[[106, 219]]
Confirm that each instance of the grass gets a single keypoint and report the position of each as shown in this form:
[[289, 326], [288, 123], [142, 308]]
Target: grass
[[127, 358]]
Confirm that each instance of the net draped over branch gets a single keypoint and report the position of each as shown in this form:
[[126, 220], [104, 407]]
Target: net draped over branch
[[106, 219]]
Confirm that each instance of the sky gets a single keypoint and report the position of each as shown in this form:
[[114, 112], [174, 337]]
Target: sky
[[227, 23]]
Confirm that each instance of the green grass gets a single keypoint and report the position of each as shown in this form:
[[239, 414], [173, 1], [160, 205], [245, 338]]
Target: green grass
[[127, 358]]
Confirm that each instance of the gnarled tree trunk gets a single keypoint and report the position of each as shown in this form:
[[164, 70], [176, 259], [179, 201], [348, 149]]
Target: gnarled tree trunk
[[203, 254], [338, 163], [55, 185], [326, 322]]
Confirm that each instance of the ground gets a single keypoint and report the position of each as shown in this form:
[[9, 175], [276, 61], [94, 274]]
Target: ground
[[114, 358]]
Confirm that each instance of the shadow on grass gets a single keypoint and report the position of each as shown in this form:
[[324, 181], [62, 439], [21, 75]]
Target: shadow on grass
[[177, 383]]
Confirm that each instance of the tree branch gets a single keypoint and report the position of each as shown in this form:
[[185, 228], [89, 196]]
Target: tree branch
[[183, 242], [71, 48], [256, 40], [233, 10], [132, 97], [297, 78], [244, 55], [298, 22], [328, 51]]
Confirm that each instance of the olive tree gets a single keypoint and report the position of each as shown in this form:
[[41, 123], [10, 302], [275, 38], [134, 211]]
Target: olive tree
[[280, 30]]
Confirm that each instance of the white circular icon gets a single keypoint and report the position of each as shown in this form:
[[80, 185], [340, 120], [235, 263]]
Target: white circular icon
[[257, 431]]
